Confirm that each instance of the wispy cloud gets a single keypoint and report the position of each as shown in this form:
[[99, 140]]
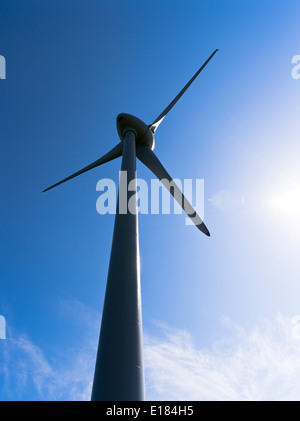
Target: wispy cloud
[[260, 364], [28, 373]]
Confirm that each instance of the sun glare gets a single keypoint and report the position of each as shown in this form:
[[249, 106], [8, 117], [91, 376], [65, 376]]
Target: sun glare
[[287, 202]]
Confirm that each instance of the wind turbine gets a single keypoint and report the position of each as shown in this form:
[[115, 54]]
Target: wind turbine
[[119, 372]]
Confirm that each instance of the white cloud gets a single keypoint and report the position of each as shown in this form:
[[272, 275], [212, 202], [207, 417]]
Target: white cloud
[[260, 364], [29, 375]]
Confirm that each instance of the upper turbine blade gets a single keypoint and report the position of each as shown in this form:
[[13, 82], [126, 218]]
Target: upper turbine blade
[[148, 157], [112, 154], [160, 118]]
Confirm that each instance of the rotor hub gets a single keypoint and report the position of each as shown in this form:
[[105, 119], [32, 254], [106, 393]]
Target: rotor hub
[[144, 135]]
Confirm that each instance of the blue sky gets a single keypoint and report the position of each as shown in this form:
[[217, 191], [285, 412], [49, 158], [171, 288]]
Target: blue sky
[[72, 67]]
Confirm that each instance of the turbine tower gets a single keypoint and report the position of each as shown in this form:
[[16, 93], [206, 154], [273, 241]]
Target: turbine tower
[[119, 372]]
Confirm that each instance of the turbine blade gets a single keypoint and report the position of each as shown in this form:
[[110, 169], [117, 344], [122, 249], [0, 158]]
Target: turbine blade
[[160, 118], [148, 158], [112, 154]]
